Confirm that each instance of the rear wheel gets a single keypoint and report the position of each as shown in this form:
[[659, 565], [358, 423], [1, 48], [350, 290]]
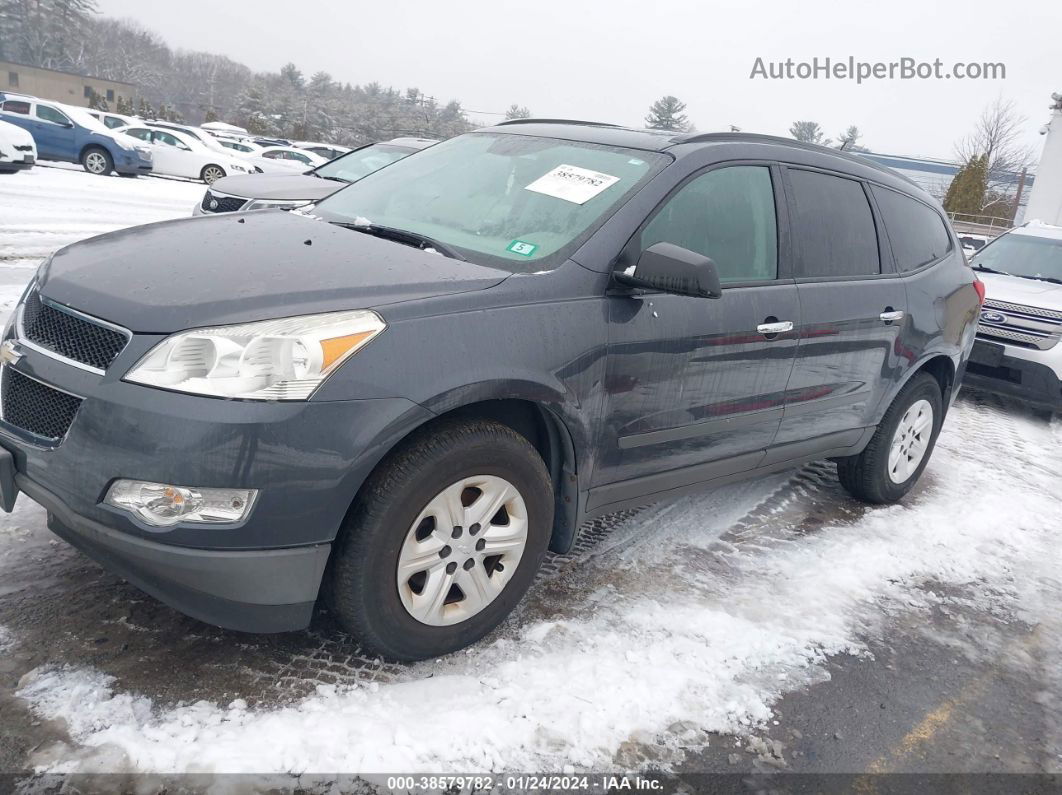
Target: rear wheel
[[899, 451], [96, 160], [211, 174], [443, 541]]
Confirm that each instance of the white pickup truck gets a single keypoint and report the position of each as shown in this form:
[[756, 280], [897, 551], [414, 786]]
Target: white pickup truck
[[1017, 351]]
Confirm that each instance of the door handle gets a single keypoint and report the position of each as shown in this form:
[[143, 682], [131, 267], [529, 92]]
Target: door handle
[[892, 315], [779, 327]]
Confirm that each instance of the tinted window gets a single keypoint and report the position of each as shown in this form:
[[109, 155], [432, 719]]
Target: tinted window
[[165, 138], [113, 122], [139, 132], [917, 234], [16, 106], [833, 226], [51, 114], [728, 215]]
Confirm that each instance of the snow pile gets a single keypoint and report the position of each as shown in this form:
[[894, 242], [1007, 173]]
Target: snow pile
[[46, 208], [680, 626]]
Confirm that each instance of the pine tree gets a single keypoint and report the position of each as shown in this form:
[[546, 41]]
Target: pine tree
[[849, 139], [809, 132], [517, 112], [966, 193], [667, 114]]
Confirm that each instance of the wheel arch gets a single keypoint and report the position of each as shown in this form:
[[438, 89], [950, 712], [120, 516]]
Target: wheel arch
[[93, 145], [938, 364]]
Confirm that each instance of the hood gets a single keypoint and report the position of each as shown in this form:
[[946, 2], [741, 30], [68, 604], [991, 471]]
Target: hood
[[239, 267], [277, 186], [19, 137], [1016, 290]]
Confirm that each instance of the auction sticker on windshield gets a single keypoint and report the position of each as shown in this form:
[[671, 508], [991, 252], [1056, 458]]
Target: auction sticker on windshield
[[573, 184]]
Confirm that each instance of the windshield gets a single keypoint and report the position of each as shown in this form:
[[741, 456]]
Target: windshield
[[355, 165], [1030, 256], [511, 201]]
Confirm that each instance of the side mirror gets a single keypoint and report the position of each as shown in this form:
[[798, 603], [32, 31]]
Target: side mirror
[[673, 269]]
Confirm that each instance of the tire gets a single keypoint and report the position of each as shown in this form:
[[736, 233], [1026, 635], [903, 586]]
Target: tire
[[211, 174], [97, 160], [376, 603], [874, 476]]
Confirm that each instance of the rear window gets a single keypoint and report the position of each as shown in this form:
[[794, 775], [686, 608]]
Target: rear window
[[17, 106], [833, 226], [916, 232]]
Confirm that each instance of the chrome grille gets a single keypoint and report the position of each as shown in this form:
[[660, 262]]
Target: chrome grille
[[1026, 326], [36, 407], [68, 335]]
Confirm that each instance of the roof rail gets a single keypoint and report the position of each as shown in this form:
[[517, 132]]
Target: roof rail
[[556, 121]]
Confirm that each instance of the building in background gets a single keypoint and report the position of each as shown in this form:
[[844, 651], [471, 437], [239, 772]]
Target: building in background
[[934, 176], [1045, 200], [66, 87]]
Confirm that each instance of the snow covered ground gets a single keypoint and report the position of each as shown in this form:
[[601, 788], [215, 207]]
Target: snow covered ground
[[688, 618]]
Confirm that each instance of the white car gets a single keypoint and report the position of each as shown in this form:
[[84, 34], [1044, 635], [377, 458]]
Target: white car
[[112, 121], [17, 150], [327, 151], [302, 159], [252, 153], [178, 154]]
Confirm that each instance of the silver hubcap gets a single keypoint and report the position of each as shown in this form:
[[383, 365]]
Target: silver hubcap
[[911, 441], [212, 175], [96, 162], [462, 550]]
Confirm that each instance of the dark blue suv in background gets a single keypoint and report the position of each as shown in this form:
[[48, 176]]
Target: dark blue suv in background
[[399, 399], [71, 135]]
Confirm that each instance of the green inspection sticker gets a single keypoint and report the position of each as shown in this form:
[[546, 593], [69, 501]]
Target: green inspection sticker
[[522, 248]]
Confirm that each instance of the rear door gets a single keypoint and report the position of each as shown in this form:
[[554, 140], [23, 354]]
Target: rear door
[[853, 309], [695, 386]]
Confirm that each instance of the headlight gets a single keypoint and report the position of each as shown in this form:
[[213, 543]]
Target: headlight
[[163, 506], [277, 204], [284, 359]]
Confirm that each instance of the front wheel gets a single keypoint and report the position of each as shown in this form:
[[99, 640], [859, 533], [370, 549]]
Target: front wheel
[[443, 541], [97, 161], [211, 174], [893, 461]]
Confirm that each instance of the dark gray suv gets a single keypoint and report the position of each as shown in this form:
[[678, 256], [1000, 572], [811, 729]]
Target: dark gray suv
[[399, 402]]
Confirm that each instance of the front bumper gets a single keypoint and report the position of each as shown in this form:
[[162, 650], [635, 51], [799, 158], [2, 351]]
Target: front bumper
[[307, 460], [1027, 380], [270, 590]]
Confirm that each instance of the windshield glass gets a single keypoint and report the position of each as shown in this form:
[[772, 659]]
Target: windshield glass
[[1030, 256], [510, 201], [352, 167]]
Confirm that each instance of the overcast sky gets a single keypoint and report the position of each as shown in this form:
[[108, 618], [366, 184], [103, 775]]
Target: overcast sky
[[607, 60]]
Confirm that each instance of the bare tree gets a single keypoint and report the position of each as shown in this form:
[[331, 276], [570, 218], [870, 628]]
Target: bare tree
[[997, 135]]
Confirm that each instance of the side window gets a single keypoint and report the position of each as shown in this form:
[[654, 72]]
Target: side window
[[51, 114], [273, 155], [113, 122], [916, 232], [139, 132], [728, 215], [165, 138], [16, 106], [833, 226]]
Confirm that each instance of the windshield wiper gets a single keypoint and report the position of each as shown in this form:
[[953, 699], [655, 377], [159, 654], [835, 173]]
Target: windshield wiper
[[986, 269], [1052, 279], [333, 179], [423, 242]]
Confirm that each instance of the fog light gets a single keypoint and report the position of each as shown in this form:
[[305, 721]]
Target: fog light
[[162, 505]]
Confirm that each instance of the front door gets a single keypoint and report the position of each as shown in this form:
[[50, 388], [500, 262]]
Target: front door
[[53, 132], [696, 386]]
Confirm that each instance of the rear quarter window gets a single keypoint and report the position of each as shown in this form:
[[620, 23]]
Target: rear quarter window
[[16, 106], [833, 226], [916, 231]]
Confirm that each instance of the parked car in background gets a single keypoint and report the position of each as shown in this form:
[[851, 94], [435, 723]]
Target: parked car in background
[[327, 151], [286, 192], [1018, 350], [112, 120], [399, 400], [70, 134], [304, 159], [178, 155], [17, 150]]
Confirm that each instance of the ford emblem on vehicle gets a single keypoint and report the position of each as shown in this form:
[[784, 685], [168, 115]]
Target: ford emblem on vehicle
[[993, 317], [213, 204]]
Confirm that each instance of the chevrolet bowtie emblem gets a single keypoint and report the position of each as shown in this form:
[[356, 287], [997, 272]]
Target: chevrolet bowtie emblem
[[10, 352]]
